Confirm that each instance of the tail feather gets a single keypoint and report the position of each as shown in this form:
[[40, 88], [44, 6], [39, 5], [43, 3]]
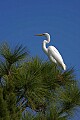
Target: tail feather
[[64, 66]]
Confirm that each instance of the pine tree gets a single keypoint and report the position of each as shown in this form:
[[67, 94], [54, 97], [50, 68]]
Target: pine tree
[[53, 93], [8, 97], [50, 92]]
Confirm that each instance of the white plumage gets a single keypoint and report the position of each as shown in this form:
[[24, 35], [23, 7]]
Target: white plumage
[[52, 52]]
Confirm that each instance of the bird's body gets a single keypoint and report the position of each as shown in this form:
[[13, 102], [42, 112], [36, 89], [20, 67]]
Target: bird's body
[[52, 52]]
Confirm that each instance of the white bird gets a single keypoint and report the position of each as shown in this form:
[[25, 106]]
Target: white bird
[[52, 52]]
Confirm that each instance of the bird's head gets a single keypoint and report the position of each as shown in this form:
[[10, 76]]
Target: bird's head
[[44, 34]]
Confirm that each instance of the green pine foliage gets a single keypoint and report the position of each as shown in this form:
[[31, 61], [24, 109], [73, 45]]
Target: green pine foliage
[[4, 113], [51, 92], [8, 97]]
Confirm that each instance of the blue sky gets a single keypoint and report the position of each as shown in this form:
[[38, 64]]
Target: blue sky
[[20, 20]]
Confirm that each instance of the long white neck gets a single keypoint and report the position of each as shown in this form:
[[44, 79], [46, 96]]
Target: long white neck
[[45, 42]]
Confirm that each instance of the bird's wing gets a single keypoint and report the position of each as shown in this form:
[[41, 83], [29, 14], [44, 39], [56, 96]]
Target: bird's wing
[[55, 53], [54, 49], [52, 58]]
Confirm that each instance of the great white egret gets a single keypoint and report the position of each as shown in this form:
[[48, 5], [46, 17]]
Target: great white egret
[[52, 52]]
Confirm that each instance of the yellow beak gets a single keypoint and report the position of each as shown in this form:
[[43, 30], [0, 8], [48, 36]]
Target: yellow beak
[[39, 34]]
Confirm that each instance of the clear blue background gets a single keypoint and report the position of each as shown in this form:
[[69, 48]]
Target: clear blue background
[[20, 20]]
